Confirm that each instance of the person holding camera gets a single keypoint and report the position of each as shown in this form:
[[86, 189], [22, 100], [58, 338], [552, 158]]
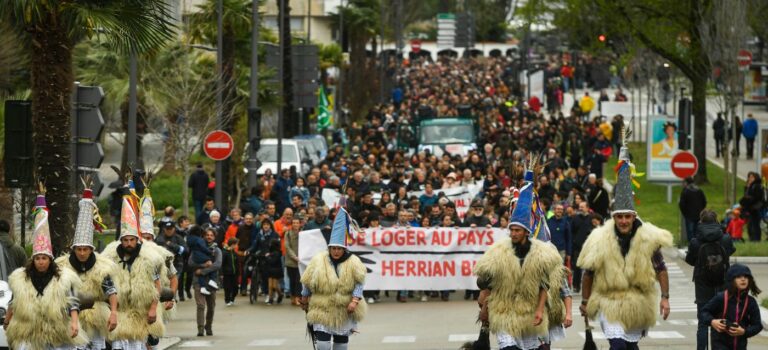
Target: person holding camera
[[733, 314]]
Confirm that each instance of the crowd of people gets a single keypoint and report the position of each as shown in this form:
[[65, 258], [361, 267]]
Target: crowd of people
[[220, 250]]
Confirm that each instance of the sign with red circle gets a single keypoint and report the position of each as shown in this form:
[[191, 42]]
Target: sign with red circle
[[218, 145], [744, 58], [684, 164], [415, 45]]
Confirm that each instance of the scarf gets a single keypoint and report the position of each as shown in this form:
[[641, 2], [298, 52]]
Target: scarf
[[127, 258], [343, 258], [626, 240], [40, 280], [82, 267], [522, 250]]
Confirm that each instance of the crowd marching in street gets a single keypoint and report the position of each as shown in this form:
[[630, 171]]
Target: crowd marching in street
[[537, 172]]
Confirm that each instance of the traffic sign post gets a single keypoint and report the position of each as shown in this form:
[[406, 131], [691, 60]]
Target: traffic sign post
[[684, 164], [745, 59], [218, 145]]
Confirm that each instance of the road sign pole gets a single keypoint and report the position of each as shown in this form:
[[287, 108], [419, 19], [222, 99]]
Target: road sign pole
[[669, 192]]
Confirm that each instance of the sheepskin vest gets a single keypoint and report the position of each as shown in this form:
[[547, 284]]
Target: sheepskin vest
[[94, 320], [623, 288], [165, 282], [331, 293], [136, 291], [515, 288], [555, 304], [42, 321]]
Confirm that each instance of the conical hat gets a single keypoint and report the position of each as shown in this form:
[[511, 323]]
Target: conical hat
[[84, 226], [340, 230], [624, 199], [521, 214], [129, 217], [41, 243], [147, 213]]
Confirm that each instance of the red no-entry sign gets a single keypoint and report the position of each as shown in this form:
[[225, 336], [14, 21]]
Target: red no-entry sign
[[218, 145], [415, 45], [684, 164], [745, 59]]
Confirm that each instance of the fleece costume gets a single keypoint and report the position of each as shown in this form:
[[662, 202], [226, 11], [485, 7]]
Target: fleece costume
[[42, 321], [331, 293], [515, 287], [623, 287], [93, 321], [136, 283]]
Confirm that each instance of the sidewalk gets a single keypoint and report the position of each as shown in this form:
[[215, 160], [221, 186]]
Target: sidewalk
[[744, 166]]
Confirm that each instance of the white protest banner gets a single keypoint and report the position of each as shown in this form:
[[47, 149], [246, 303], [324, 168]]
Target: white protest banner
[[412, 258]]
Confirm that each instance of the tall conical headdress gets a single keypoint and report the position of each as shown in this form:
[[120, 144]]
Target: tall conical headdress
[[41, 243], [521, 214], [340, 233], [129, 214], [85, 219], [147, 211], [624, 200]]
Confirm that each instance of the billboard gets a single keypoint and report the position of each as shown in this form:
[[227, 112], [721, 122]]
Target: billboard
[[762, 151], [661, 147]]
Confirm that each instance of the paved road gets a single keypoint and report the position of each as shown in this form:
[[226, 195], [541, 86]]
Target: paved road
[[417, 325]]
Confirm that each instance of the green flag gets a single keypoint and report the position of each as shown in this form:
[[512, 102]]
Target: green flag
[[324, 110]]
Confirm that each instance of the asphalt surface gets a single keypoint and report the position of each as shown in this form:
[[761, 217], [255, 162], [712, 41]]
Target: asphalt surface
[[423, 325]]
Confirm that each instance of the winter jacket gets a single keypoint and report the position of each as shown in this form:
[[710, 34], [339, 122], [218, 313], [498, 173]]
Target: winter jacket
[[271, 263], [176, 245], [752, 202], [692, 202], [561, 234], [245, 234], [748, 318], [291, 239], [707, 233], [198, 182], [749, 128], [719, 128], [478, 221], [229, 261], [581, 226]]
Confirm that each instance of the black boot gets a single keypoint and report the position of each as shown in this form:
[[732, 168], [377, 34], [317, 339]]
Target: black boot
[[208, 330], [200, 331]]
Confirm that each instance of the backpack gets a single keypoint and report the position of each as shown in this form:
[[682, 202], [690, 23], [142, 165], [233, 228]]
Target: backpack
[[711, 265]]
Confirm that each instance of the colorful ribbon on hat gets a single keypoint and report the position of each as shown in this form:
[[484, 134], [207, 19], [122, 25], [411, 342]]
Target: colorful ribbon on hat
[[622, 165]]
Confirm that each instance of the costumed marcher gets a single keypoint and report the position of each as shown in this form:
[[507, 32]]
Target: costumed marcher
[[168, 250], [44, 312], [519, 274], [95, 272], [332, 292], [137, 278], [622, 262]]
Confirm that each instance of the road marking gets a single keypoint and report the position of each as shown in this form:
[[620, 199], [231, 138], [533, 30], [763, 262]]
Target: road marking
[[462, 337], [688, 322], [665, 335], [197, 344], [651, 334], [267, 342], [399, 339]]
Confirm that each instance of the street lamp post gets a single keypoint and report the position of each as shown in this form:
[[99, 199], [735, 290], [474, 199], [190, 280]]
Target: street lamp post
[[338, 104], [253, 99], [219, 189]]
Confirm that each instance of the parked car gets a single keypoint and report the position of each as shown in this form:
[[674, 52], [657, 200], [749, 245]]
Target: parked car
[[321, 145], [308, 150], [267, 155]]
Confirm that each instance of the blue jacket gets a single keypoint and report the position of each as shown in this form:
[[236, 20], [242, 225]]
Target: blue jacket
[[561, 233], [749, 129], [750, 320]]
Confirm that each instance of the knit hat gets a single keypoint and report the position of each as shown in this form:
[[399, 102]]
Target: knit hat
[[147, 213], [42, 234], [129, 214], [84, 226], [340, 231], [624, 200], [737, 270]]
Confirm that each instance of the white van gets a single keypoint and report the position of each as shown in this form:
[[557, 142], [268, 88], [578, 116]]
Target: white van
[[267, 155]]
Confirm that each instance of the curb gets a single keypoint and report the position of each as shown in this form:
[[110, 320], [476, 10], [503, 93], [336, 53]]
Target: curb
[[168, 342], [734, 259]]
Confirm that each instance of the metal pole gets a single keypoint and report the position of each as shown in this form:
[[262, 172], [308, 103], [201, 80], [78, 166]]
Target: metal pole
[[253, 99], [219, 190], [309, 20], [337, 103], [281, 114], [132, 106], [23, 241], [381, 55]]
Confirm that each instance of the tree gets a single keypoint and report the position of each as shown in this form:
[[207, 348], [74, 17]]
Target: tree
[[671, 29], [50, 29], [723, 35], [184, 106], [361, 25]]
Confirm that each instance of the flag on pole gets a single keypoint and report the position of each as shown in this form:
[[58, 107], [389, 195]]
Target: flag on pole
[[324, 110]]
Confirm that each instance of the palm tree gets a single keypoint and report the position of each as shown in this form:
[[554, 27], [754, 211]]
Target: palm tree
[[361, 25], [50, 29]]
